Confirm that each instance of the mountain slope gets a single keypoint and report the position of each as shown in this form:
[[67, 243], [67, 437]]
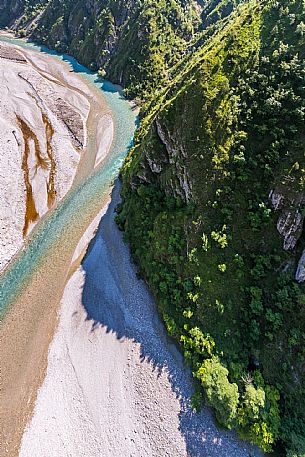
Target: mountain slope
[[134, 43], [213, 191], [213, 210]]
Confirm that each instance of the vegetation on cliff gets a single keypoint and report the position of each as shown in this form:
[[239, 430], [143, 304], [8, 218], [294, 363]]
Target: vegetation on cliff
[[134, 42], [223, 138], [213, 203]]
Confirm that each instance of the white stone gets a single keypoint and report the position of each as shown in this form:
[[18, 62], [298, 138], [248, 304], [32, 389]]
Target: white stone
[[300, 273]]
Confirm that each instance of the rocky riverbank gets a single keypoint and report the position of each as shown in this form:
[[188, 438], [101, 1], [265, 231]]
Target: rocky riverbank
[[115, 383], [39, 162], [44, 118]]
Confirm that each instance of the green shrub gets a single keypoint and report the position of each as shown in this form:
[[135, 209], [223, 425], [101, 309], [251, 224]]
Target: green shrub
[[222, 395]]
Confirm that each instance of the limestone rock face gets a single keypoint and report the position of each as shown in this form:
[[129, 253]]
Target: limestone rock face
[[300, 273], [176, 158], [174, 149], [290, 225], [276, 199], [167, 166], [290, 222]]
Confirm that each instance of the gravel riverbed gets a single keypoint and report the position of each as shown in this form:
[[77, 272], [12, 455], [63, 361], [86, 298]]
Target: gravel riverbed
[[116, 384]]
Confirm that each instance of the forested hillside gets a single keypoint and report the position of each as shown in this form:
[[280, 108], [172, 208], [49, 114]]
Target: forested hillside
[[213, 190], [213, 209], [132, 42]]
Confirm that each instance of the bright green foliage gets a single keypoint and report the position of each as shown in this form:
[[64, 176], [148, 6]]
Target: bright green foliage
[[223, 396], [197, 346], [220, 237], [253, 402], [250, 417], [231, 116], [259, 413], [222, 124]]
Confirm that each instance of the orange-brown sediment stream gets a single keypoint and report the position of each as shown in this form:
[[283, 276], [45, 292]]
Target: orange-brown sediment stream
[[31, 214], [51, 182], [28, 327]]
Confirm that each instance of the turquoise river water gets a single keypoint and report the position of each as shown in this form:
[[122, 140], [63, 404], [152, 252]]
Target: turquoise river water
[[74, 210]]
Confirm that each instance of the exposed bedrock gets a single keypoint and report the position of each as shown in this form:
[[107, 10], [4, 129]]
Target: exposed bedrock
[[290, 207], [290, 222], [170, 156]]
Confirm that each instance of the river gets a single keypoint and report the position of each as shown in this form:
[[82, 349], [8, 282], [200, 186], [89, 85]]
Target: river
[[85, 198], [111, 382], [32, 285]]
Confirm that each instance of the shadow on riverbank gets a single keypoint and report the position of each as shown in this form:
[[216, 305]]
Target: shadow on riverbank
[[117, 300]]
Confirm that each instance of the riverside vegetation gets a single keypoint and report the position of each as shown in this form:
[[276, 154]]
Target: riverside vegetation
[[213, 189]]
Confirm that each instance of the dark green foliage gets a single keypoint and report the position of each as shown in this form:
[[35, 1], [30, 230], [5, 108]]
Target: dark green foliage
[[221, 84], [234, 113]]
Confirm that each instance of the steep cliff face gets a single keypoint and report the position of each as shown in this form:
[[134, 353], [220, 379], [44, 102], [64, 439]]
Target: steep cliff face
[[14, 11], [213, 208], [9, 10], [88, 29], [213, 191], [134, 43]]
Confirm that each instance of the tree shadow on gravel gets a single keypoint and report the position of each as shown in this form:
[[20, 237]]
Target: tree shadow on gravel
[[116, 299]]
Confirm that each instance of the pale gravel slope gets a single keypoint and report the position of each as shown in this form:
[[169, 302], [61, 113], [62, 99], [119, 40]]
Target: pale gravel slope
[[115, 385]]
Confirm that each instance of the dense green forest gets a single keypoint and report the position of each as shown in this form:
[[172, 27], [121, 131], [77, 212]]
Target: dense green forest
[[222, 151], [213, 189]]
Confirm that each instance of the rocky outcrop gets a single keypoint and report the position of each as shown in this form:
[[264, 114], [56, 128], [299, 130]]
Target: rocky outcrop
[[173, 147], [290, 222], [290, 225], [300, 273], [277, 199], [180, 183], [168, 165]]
